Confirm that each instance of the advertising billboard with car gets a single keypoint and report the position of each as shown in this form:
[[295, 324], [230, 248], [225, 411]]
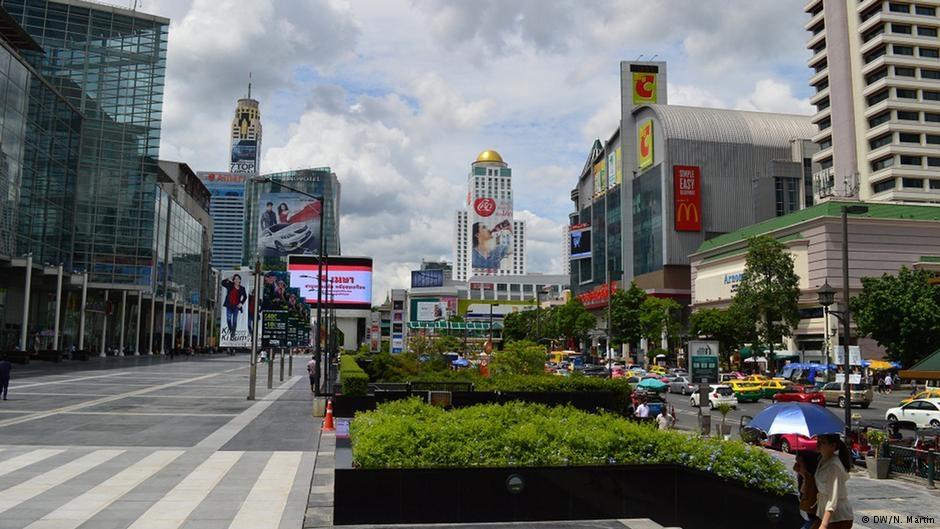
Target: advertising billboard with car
[[491, 230], [352, 280], [288, 224], [244, 156]]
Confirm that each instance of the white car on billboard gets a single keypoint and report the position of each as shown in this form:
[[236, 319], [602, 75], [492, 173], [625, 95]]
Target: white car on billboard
[[285, 237]]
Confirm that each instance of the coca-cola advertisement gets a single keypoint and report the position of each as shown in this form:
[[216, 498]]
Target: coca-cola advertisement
[[492, 236]]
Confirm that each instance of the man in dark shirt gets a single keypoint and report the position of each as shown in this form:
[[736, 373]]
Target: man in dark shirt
[[268, 218], [5, 368], [235, 297]]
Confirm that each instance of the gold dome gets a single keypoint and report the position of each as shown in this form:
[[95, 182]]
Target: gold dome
[[489, 156]]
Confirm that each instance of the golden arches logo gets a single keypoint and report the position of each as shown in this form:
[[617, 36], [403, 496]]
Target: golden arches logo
[[687, 212]]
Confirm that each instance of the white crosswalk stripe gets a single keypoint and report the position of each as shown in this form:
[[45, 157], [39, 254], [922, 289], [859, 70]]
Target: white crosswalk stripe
[[82, 508], [17, 494], [268, 497], [15, 463], [173, 509]]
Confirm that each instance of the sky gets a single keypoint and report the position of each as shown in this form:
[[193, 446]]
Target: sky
[[399, 96]]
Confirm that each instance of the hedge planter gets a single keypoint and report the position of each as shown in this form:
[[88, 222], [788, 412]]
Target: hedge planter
[[672, 495], [589, 401]]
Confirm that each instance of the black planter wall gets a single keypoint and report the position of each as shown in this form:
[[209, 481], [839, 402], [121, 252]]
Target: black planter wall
[[669, 494]]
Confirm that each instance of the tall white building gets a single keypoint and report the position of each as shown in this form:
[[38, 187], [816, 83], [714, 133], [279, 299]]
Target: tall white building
[[877, 81], [566, 250], [487, 240]]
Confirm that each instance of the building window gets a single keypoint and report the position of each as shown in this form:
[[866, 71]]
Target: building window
[[912, 183], [881, 187], [905, 93], [907, 137], [874, 32], [901, 28], [907, 115], [931, 117], [902, 50], [903, 72], [877, 165], [881, 73], [874, 121], [926, 32], [910, 160], [925, 10], [822, 85], [929, 74], [825, 144], [930, 95], [930, 53], [935, 184], [874, 54], [825, 124], [933, 139], [880, 141], [895, 7], [880, 96], [825, 164], [933, 161]]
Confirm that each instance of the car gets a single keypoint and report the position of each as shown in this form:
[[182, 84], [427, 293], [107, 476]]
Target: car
[[861, 394], [756, 378], [633, 380], [789, 443], [285, 237], [679, 372], [923, 413], [794, 393], [668, 378], [594, 371], [745, 391], [718, 394], [930, 393], [769, 388], [680, 385]]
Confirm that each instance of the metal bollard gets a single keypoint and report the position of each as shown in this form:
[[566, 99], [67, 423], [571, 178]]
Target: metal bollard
[[282, 365], [290, 364], [931, 468], [271, 371]]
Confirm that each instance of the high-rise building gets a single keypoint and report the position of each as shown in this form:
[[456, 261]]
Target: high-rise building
[[228, 217], [877, 82], [487, 240], [246, 136]]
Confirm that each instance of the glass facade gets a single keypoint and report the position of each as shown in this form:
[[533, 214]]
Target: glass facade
[[14, 104], [110, 64], [180, 252], [648, 222]]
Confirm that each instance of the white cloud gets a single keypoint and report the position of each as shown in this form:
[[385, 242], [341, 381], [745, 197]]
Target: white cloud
[[774, 96]]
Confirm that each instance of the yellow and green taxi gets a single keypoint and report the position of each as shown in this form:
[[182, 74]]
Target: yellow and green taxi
[[769, 388], [932, 393], [745, 390]]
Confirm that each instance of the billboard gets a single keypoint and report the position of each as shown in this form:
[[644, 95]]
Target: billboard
[[644, 144], [644, 88], [600, 177], [687, 197], [288, 223], [352, 280], [855, 355], [427, 278], [244, 156], [703, 361], [492, 235], [481, 311], [431, 310], [619, 177], [580, 241], [611, 169], [222, 181], [236, 309]]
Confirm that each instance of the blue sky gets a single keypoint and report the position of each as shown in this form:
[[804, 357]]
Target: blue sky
[[399, 96]]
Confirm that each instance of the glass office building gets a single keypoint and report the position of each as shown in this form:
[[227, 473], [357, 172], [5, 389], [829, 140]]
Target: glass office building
[[110, 64]]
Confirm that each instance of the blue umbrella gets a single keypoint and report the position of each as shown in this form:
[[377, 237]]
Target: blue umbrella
[[801, 418], [652, 383], [461, 362]]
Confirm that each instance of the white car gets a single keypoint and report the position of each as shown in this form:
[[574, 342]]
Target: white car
[[286, 237], [718, 394], [924, 413]]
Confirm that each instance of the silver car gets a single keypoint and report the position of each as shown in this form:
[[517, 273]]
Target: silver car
[[285, 237], [681, 385]]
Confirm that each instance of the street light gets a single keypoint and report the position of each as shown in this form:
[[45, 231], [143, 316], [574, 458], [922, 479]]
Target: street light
[[827, 297], [319, 349]]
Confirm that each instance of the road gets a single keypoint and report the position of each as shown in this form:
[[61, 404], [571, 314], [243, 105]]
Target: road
[[150, 443]]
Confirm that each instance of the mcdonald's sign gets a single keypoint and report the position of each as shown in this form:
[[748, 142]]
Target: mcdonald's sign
[[687, 197], [644, 144], [644, 88]]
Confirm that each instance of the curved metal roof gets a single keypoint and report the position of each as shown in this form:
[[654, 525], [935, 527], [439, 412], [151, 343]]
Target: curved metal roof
[[730, 126]]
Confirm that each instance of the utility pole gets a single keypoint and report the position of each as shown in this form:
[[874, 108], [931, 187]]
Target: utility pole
[[253, 370]]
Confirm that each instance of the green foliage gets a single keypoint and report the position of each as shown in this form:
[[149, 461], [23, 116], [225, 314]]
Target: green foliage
[[354, 380], [411, 434], [625, 315], [658, 315], [518, 326], [572, 321], [448, 344], [519, 358], [724, 409], [877, 439], [419, 344], [901, 312], [730, 327], [769, 292]]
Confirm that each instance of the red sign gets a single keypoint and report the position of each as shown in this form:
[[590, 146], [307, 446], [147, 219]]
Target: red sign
[[598, 296], [687, 197], [484, 206], [481, 286]]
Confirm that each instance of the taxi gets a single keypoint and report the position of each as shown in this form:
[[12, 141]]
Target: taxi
[[745, 390], [771, 387], [931, 393], [755, 378], [659, 370]]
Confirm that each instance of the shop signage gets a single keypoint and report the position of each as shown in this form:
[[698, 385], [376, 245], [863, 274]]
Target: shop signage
[[644, 144], [598, 296], [687, 197], [644, 88], [703, 361]]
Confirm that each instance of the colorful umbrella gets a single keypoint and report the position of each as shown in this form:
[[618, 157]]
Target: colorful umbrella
[[801, 418], [652, 383]]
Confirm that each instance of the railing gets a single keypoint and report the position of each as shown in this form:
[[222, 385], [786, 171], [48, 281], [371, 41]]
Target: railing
[[913, 463]]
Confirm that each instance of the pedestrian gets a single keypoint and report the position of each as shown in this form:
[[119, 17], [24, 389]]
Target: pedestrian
[[889, 383], [5, 368], [664, 421], [805, 467], [881, 384], [643, 411], [832, 505], [312, 373]]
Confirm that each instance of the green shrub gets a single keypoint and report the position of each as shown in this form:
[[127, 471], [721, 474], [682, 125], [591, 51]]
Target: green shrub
[[354, 380], [410, 434], [519, 358]]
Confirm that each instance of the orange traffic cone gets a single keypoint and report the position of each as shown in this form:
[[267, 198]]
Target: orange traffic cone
[[328, 419]]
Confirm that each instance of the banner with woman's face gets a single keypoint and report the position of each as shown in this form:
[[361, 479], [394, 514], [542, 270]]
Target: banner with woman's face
[[491, 235]]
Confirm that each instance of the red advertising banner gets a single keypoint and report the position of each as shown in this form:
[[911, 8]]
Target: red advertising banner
[[598, 296], [687, 197]]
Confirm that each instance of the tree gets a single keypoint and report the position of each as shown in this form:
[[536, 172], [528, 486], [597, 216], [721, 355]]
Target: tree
[[625, 312], [901, 312], [572, 320], [769, 290], [730, 327], [519, 358], [658, 315], [419, 344], [518, 326], [446, 344]]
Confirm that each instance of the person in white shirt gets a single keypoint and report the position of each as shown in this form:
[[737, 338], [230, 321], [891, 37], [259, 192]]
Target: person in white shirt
[[833, 507], [643, 411], [664, 421], [889, 382]]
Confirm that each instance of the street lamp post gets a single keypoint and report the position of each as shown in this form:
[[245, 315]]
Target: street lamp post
[[827, 297]]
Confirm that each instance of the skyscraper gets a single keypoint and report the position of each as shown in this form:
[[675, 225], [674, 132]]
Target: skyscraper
[[228, 217], [877, 82], [246, 136], [488, 241]]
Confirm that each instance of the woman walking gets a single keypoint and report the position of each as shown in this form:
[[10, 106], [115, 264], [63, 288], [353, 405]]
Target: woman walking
[[805, 467], [833, 507]]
